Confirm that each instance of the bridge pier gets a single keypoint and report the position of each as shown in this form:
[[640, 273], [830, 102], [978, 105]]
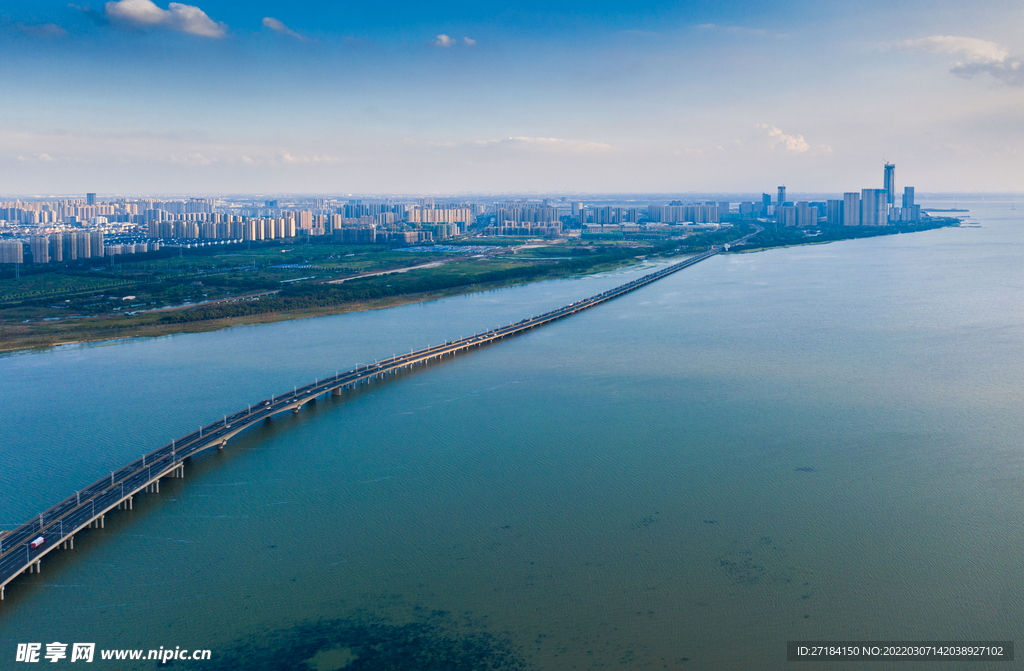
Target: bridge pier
[[361, 375]]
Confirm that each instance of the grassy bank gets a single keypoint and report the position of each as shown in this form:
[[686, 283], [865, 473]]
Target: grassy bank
[[209, 291], [274, 284], [775, 236]]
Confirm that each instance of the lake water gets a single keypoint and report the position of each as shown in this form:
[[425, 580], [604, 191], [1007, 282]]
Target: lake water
[[820, 442]]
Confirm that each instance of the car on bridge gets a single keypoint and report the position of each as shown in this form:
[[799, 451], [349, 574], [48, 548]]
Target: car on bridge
[[37, 542]]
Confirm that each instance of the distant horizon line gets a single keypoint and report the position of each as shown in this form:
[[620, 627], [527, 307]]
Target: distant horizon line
[[532, 195]]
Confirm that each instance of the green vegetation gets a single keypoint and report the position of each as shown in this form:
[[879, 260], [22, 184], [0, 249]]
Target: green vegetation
[[775, 236], [209, 288]]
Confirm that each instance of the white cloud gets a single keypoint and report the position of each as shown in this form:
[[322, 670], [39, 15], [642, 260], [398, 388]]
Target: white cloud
[[973, 49], [136, 12], [183, 18], [1009, 71], [981, 56], [522, 143], [738, 30], [51, 30], [549, 144], [793, 143], [278, 26], [192, 159], [44, 158], [443, 41], [469, 42]]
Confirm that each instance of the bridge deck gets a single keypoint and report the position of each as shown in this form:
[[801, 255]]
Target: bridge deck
[[88, 507]]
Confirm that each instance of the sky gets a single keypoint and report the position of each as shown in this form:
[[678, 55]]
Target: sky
[[559, 96]]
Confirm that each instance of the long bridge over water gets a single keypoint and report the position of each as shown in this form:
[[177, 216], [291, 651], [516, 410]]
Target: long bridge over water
[[88, 507]]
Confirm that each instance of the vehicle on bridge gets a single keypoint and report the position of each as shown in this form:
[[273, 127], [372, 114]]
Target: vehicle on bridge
[[71, 512]]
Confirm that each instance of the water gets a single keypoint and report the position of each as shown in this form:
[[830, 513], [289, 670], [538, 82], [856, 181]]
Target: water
[[818, 442]]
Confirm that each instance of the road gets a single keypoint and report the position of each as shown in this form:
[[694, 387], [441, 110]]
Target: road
[[89, 506]]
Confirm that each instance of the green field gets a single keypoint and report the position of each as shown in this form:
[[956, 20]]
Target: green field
[[210, 288], [207, 288]]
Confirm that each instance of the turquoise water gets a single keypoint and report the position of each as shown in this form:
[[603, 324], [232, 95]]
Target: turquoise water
[[809, 443]]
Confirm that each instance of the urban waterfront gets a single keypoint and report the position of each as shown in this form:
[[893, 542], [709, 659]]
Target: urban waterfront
[[818, 442]]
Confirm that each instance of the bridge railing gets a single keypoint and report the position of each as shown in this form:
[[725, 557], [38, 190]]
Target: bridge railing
[[106, 493]]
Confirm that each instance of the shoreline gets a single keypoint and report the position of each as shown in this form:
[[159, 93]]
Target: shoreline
[[11, 344], [43, 343]]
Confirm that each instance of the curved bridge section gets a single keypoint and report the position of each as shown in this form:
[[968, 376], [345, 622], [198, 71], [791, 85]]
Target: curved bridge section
[[21, 550]]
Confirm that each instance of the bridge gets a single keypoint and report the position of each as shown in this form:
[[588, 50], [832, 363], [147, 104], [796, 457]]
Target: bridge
[[87, 508]]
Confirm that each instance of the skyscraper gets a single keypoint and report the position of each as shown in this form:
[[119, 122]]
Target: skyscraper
[[834, 212], [83, 246], [873, 207], [766, 202], [40, 245], [851, 208], [11, 251], [56, 247], [782, 197], [96, 243], [786, 215], [890, 183], [90, 199], [806, 214], [911, 210]]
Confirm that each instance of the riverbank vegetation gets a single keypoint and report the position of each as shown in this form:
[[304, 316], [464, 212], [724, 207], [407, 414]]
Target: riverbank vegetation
[[215, 287], [210, 288]]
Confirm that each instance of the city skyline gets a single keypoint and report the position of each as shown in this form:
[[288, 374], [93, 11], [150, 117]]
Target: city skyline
[[226, 97]]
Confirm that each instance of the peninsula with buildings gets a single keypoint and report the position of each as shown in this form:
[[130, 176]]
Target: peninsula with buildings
[[97, 268]]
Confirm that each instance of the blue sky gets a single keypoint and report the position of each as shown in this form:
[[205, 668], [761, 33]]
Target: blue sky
[[135, 96]]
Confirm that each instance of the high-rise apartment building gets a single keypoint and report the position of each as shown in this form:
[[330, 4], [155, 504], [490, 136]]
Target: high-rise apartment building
[[96, 243], [57, 247], [851, 208], [834, 212], [766, 204], [40, 246], [83, 246], [90, 199], [908, 196], [11, 251], [910, 210], [890, 183], [873, 207], [786, 215], [806, 214]]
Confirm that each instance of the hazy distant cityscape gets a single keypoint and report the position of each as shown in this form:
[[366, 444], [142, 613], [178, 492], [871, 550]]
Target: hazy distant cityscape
[[50, 231]]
